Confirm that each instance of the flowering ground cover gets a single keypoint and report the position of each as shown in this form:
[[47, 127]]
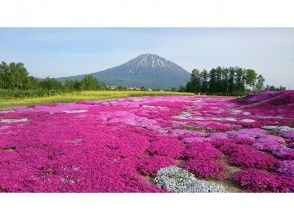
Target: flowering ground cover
[[150, 144]]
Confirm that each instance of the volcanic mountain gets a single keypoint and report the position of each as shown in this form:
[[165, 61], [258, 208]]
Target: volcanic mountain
[[146, 70]]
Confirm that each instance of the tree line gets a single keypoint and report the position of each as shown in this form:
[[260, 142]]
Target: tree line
[[15, 76], [218, 81], [227, 81]]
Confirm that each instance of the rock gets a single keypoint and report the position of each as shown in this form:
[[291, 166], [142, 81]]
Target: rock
[[175, 179]]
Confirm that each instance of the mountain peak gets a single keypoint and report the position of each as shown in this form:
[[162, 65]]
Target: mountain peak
[[148, 70], [153, 62]]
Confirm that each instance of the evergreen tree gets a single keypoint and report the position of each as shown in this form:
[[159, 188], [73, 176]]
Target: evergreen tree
[[194, 85], [204, 78], [231, 80], [212, 81]]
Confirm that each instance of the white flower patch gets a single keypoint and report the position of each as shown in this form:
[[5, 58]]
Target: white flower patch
[[247, 120], [6, 111], [175, 179], [75, 111], [235, 111], [278, 129], [13, 120], [155, 107], [246, 113], [183, 116]]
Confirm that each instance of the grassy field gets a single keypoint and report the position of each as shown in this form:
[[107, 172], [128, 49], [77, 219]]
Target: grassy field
[[84, 95]]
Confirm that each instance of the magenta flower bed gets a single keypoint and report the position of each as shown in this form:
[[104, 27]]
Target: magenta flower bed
[[166, 146], [112, 145], [206, 168], [203, 150], [150, 165], [247, 157], [262, 181]]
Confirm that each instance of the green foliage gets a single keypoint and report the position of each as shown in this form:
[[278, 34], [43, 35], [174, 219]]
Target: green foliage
[[224, 81], [15, 78], [251, 77], [275, 88], [260, 83], [89, 82], [195, 84], [14, 75]]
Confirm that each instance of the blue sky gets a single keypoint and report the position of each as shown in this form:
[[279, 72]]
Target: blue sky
[[62, 52]]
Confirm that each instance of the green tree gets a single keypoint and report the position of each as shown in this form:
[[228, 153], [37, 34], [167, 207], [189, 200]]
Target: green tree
[[240, 80], [194, 85], [89, 82], [225, 83], [218, 77], [260, 83], [231, 80], [51, 84], [251, 77], [204, 78], [212, 81]]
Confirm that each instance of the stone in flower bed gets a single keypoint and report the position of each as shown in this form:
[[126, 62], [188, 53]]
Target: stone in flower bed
[[175, 179]]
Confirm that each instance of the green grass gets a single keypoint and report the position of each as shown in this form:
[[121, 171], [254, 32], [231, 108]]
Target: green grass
[[78, 96]]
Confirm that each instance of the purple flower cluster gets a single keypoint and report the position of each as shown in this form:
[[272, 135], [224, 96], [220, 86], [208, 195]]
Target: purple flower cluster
[[286, 168]]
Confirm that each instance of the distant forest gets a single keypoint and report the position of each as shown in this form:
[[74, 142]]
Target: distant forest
[[16, 81], [227, 81]]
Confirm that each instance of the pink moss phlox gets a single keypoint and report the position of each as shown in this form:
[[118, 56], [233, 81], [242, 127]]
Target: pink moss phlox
[[206, 168], [247, 157], [107, 145], [203, 150], [255, 180], [150, 165], [248, 133], [166, 146]]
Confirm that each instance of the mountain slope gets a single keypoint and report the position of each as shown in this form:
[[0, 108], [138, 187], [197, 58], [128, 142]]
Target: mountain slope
[[148, 70]]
